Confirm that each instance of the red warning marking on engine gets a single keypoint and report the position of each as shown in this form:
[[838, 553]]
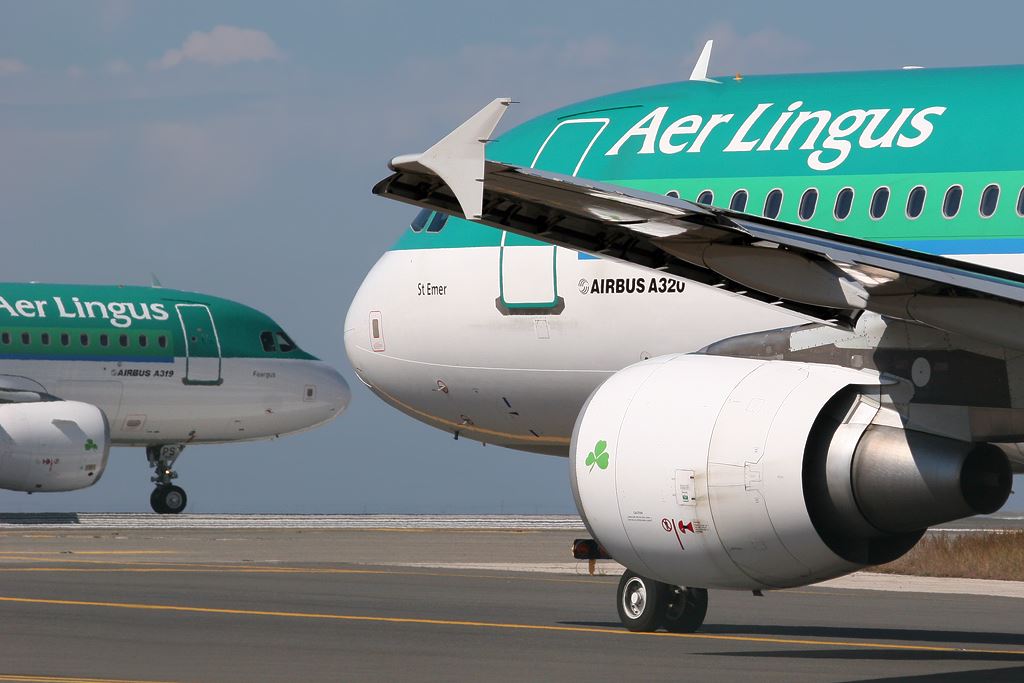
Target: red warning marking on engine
[[687, 526], [670, 525]]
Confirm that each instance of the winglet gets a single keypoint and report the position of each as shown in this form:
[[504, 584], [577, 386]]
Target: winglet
[[459, 158], [700, 69]]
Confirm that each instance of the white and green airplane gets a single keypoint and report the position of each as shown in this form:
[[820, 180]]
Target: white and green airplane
[[775, 322], [84, 368]]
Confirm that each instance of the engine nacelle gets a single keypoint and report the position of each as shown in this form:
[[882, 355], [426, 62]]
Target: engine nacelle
[[52, 445], [737, 473]]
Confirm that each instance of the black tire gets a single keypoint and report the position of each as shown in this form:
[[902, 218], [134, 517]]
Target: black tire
[[641, 602], [685, 609], [156, 501], [169, 499]]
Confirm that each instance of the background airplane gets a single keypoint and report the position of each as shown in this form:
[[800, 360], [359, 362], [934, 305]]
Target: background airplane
[[854, 383], [84, 368]]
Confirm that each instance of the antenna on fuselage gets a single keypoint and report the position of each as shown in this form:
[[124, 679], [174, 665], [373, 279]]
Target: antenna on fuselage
[[154, 281], [700, 69]]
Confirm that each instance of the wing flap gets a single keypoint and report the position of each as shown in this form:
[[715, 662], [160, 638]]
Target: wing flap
[[821, 274]]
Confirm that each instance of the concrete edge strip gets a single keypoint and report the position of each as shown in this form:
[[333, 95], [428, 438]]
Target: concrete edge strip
[[898, 583]]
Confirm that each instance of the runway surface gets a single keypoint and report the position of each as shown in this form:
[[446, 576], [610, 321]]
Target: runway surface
[[342, 604]]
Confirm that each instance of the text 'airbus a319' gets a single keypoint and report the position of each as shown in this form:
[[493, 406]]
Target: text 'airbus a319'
[[775, 322]]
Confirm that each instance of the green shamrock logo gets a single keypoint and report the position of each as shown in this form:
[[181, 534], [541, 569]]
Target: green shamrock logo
[[599, 456], [90, 445]]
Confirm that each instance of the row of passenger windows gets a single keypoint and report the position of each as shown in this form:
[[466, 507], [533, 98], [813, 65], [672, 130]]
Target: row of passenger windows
[[84, 339], [877, 207]]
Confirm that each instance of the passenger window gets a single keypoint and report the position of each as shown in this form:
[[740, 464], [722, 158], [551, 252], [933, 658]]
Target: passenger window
[[420, 220], [879, 202], [672, 193], [123, 340], [844, 204], [5, 337], [284, 343], [437, 222], [143, 341], [739, 201], [1020, 202], [26, 338], [161, 341], [65, 339], [84, 339], [915, 201], [706, 197], [104, 340], [808, 203], [989, 201], [951, 202], [45, 338], [773, 204], [267, 339]]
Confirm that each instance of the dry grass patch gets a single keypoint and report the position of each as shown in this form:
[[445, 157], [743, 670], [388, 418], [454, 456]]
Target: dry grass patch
[[988, 555]]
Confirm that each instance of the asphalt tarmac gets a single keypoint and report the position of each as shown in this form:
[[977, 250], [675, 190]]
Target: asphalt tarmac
[[344, 604]]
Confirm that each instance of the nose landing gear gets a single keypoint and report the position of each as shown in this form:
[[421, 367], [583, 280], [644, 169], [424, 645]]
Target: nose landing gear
[[166, 498], [645, 605]]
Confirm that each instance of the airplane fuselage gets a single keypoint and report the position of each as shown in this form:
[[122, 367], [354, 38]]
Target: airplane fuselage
[[501, 338], [164, 366]]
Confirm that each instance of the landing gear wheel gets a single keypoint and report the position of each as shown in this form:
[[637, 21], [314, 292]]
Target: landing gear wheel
[[155, 501], [168, 500], [685, 610], [641, 602]]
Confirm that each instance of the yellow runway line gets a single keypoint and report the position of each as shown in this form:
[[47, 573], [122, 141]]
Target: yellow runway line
[[510, 626], [31, 678], [170, 568]]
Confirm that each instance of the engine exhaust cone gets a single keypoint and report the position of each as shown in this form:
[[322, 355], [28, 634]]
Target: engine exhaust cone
[[986, 479], [905, 481]]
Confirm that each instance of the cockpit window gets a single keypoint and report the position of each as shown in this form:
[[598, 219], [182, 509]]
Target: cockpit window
[[437, 222], [420, 220], [267, 339], [284, 343]]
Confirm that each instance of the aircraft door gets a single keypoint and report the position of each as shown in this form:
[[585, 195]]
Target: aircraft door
[[202, 345], [529, 274]]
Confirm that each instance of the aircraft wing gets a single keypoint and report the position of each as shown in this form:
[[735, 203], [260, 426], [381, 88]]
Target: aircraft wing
[[826, 275]]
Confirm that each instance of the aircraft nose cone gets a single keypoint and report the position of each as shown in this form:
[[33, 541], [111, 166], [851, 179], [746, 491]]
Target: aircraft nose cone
[[356, 330], [335, 391]]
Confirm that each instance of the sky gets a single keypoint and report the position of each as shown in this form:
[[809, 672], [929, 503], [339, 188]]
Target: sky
[[230, 148]]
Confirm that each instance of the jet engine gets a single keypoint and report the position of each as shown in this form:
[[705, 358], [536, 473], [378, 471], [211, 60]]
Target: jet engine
[[720, 472], [52, 445]]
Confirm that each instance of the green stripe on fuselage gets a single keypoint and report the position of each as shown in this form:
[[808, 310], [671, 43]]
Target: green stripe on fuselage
[[64, 313], [967, 132]]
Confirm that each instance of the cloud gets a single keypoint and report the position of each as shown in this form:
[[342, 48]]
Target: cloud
[[221, 46], [11, 66]]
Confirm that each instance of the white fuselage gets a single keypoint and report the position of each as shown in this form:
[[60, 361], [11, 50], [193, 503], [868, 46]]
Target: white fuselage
[[453, 351], [147, 403]]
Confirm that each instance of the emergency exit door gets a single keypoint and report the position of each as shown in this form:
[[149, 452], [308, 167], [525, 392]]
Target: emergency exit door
[[529, 268], [202, 345]]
